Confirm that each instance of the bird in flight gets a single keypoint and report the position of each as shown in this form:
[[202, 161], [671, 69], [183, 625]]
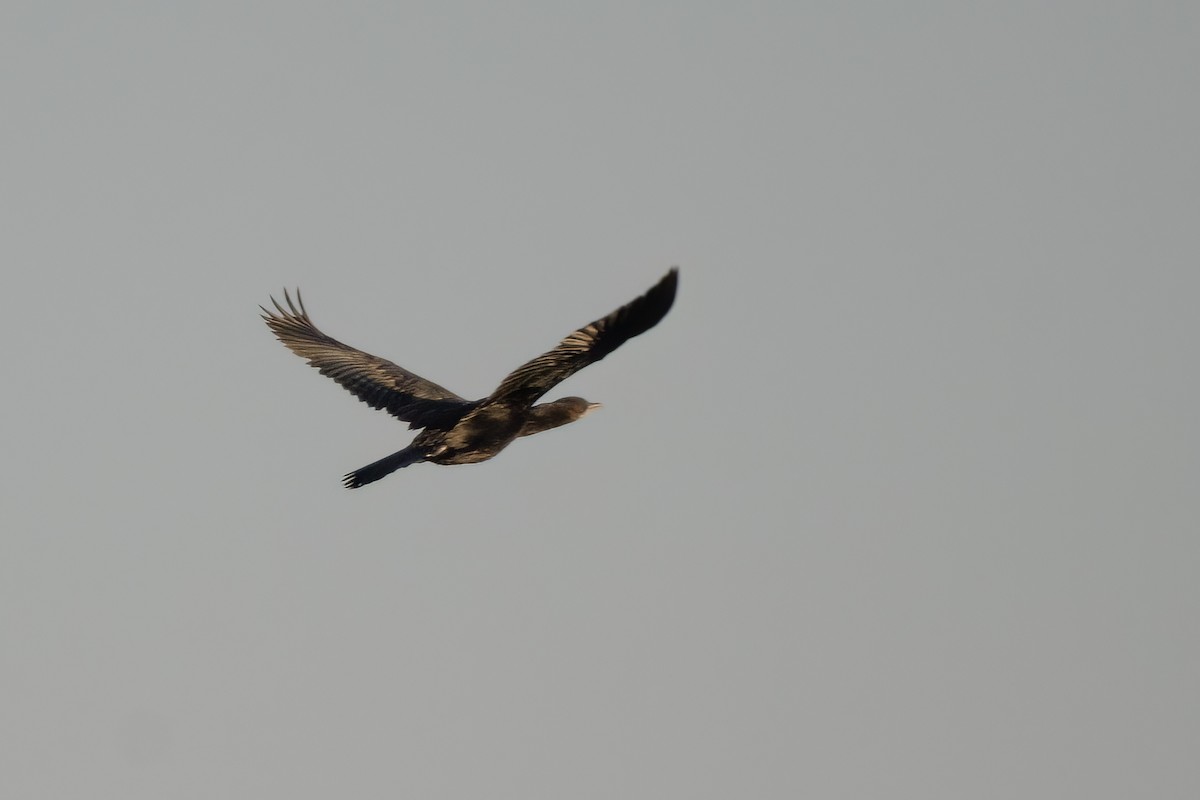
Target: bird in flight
[[457, 430]]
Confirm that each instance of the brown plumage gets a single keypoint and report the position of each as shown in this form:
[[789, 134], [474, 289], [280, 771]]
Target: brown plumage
[[457, 430]]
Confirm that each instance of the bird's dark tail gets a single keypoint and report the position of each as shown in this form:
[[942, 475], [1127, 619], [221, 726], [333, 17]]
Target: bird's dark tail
[[382, 467]]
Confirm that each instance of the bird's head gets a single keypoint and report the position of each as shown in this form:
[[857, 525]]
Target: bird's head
[[545, 416], [578, 406]]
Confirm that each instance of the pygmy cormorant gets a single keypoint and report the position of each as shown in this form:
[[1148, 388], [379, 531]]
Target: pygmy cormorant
[[456, 430]]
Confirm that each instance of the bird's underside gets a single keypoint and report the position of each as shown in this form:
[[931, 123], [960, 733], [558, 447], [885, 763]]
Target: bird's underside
[[457, 430]]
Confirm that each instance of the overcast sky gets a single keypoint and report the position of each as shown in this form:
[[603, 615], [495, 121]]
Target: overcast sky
[[899, 501]]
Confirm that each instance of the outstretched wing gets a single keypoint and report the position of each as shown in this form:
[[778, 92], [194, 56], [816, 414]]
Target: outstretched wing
[[377, 382], [589, 344]]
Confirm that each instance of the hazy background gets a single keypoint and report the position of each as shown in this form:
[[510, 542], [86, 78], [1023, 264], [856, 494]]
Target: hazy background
[[900, 501]]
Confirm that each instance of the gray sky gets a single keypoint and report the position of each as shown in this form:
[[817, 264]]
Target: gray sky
[[900, 501]]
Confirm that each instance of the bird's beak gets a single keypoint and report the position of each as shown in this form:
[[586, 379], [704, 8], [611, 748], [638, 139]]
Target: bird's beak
[[593, 406]]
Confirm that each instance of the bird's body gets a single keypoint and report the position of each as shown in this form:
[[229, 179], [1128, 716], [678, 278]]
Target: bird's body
[[456, 430]]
